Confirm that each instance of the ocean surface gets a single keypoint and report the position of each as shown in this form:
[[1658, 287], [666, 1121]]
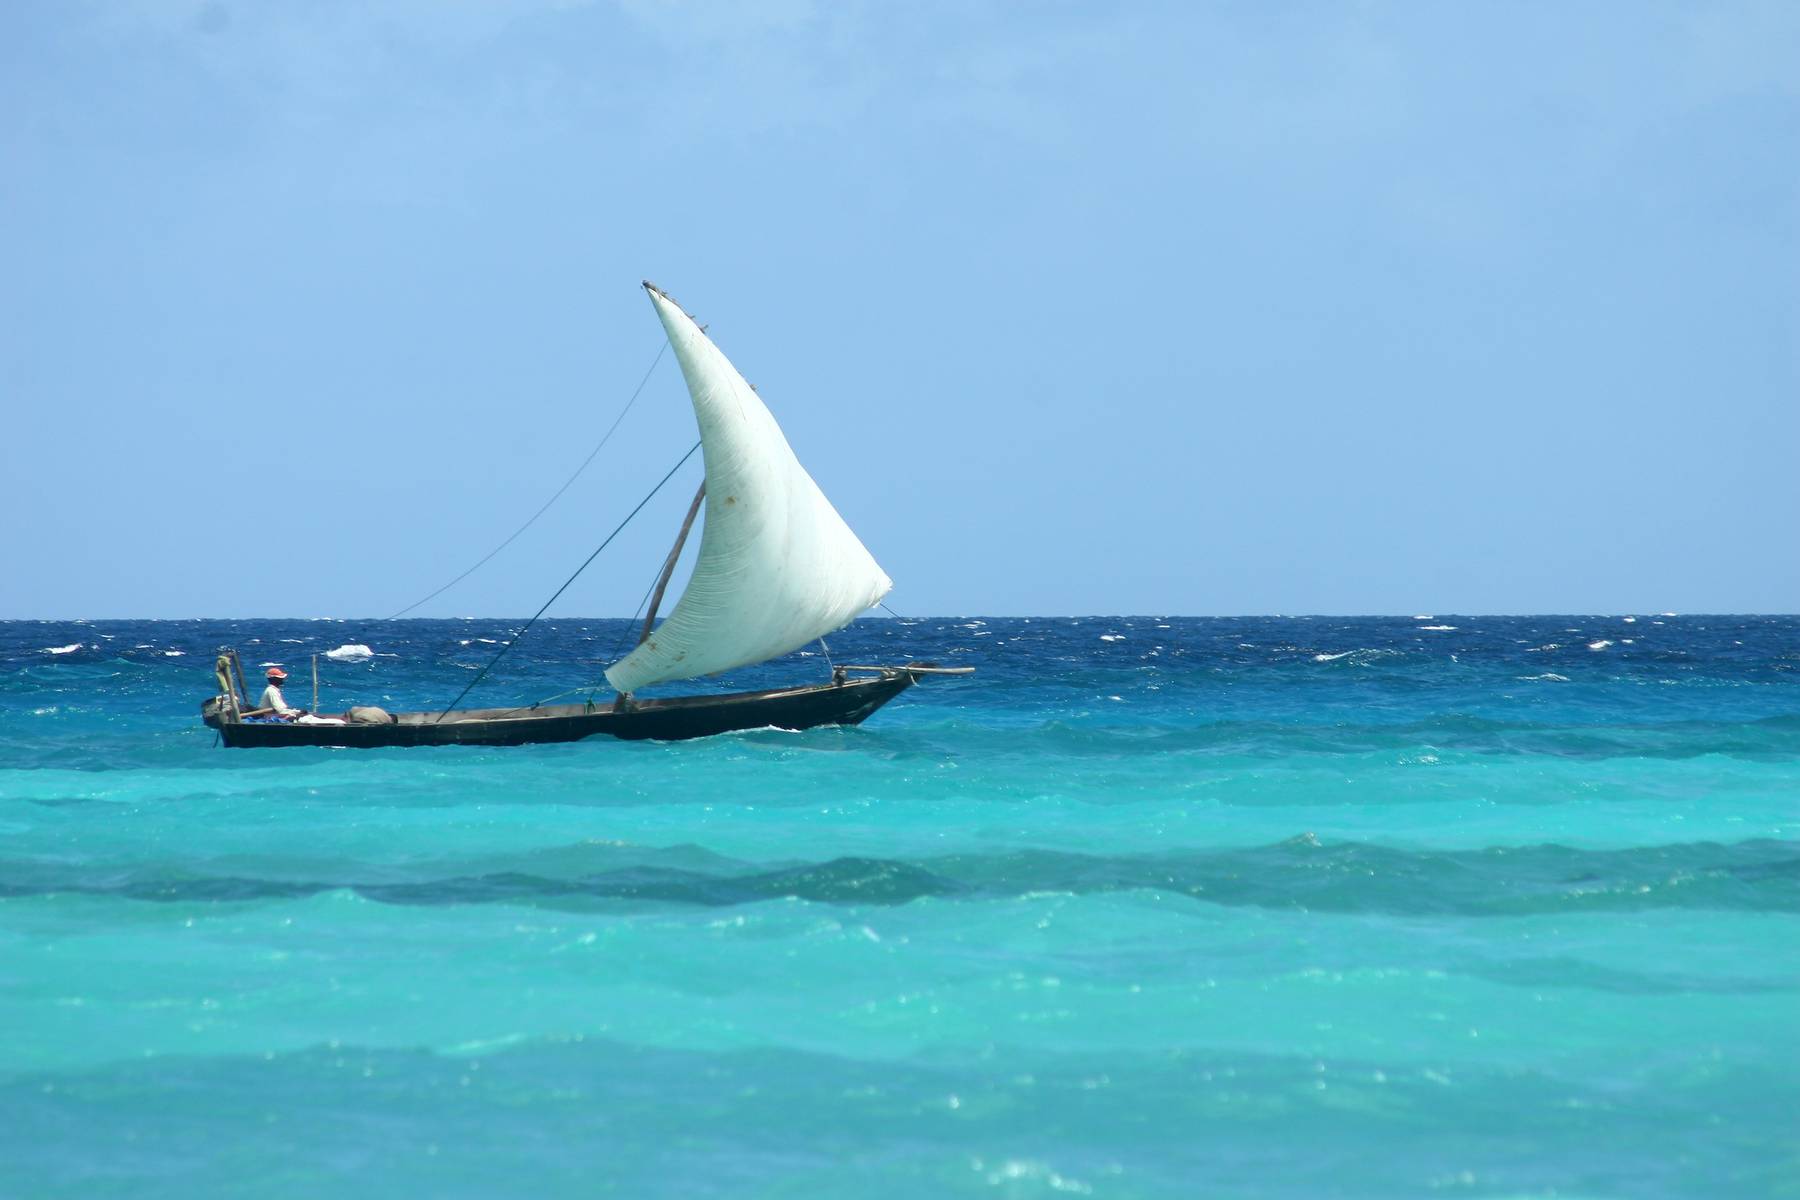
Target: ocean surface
[[1149, 906]]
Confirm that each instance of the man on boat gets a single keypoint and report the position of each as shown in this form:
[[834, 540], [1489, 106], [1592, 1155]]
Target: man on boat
[[272, 699]]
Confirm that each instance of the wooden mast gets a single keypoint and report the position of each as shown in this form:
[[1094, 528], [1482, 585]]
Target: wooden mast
[[662, 581]]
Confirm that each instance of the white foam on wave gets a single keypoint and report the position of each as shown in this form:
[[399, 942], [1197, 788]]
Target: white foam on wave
[[1599, 645], [1442, 627], [71, 648], [353, 652], [173, 653], [1362, 656], [1548, 677], [1424, 616], [1629, 620], [1112, 637]]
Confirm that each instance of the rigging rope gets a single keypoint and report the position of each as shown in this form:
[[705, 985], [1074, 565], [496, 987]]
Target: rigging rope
[[604, 438], [513, 641], [625, 634], [617, 646]]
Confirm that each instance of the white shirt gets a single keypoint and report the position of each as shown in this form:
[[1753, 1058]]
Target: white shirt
[[271, 698]]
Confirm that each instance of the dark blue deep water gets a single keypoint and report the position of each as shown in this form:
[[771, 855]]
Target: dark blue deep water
[[1171, 907]]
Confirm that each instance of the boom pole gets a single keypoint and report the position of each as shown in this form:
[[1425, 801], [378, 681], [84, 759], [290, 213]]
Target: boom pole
[[662, 581]]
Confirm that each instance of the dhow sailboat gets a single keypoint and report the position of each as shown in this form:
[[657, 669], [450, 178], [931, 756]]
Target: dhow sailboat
[[777, 569]]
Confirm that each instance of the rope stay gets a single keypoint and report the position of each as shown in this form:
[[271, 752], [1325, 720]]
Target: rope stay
[[514, 640], [567, 483], [625, 634]]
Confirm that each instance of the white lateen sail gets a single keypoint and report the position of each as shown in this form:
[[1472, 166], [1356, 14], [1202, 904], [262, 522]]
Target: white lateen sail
[[777, 567]]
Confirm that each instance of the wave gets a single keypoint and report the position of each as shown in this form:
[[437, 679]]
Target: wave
[[1362, 656], [1110, 735], [1300, 873]]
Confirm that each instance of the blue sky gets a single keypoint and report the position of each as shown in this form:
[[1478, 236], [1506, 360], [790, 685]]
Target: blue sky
[[1070, 308]]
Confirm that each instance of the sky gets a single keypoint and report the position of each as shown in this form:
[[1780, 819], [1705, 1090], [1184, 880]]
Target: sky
[[1187, 308]]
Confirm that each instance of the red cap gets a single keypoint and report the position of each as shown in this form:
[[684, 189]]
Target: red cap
[[277, 673]]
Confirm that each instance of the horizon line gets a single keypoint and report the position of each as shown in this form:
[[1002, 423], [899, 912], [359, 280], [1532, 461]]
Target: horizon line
[[1291, 616]]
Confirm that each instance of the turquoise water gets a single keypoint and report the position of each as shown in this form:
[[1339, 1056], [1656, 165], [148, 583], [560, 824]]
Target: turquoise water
[[1147, 907]]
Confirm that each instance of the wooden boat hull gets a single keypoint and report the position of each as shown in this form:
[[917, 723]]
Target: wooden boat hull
[[847, 703]]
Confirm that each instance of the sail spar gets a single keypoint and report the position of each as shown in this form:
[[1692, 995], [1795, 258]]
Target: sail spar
[[778, 566]]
